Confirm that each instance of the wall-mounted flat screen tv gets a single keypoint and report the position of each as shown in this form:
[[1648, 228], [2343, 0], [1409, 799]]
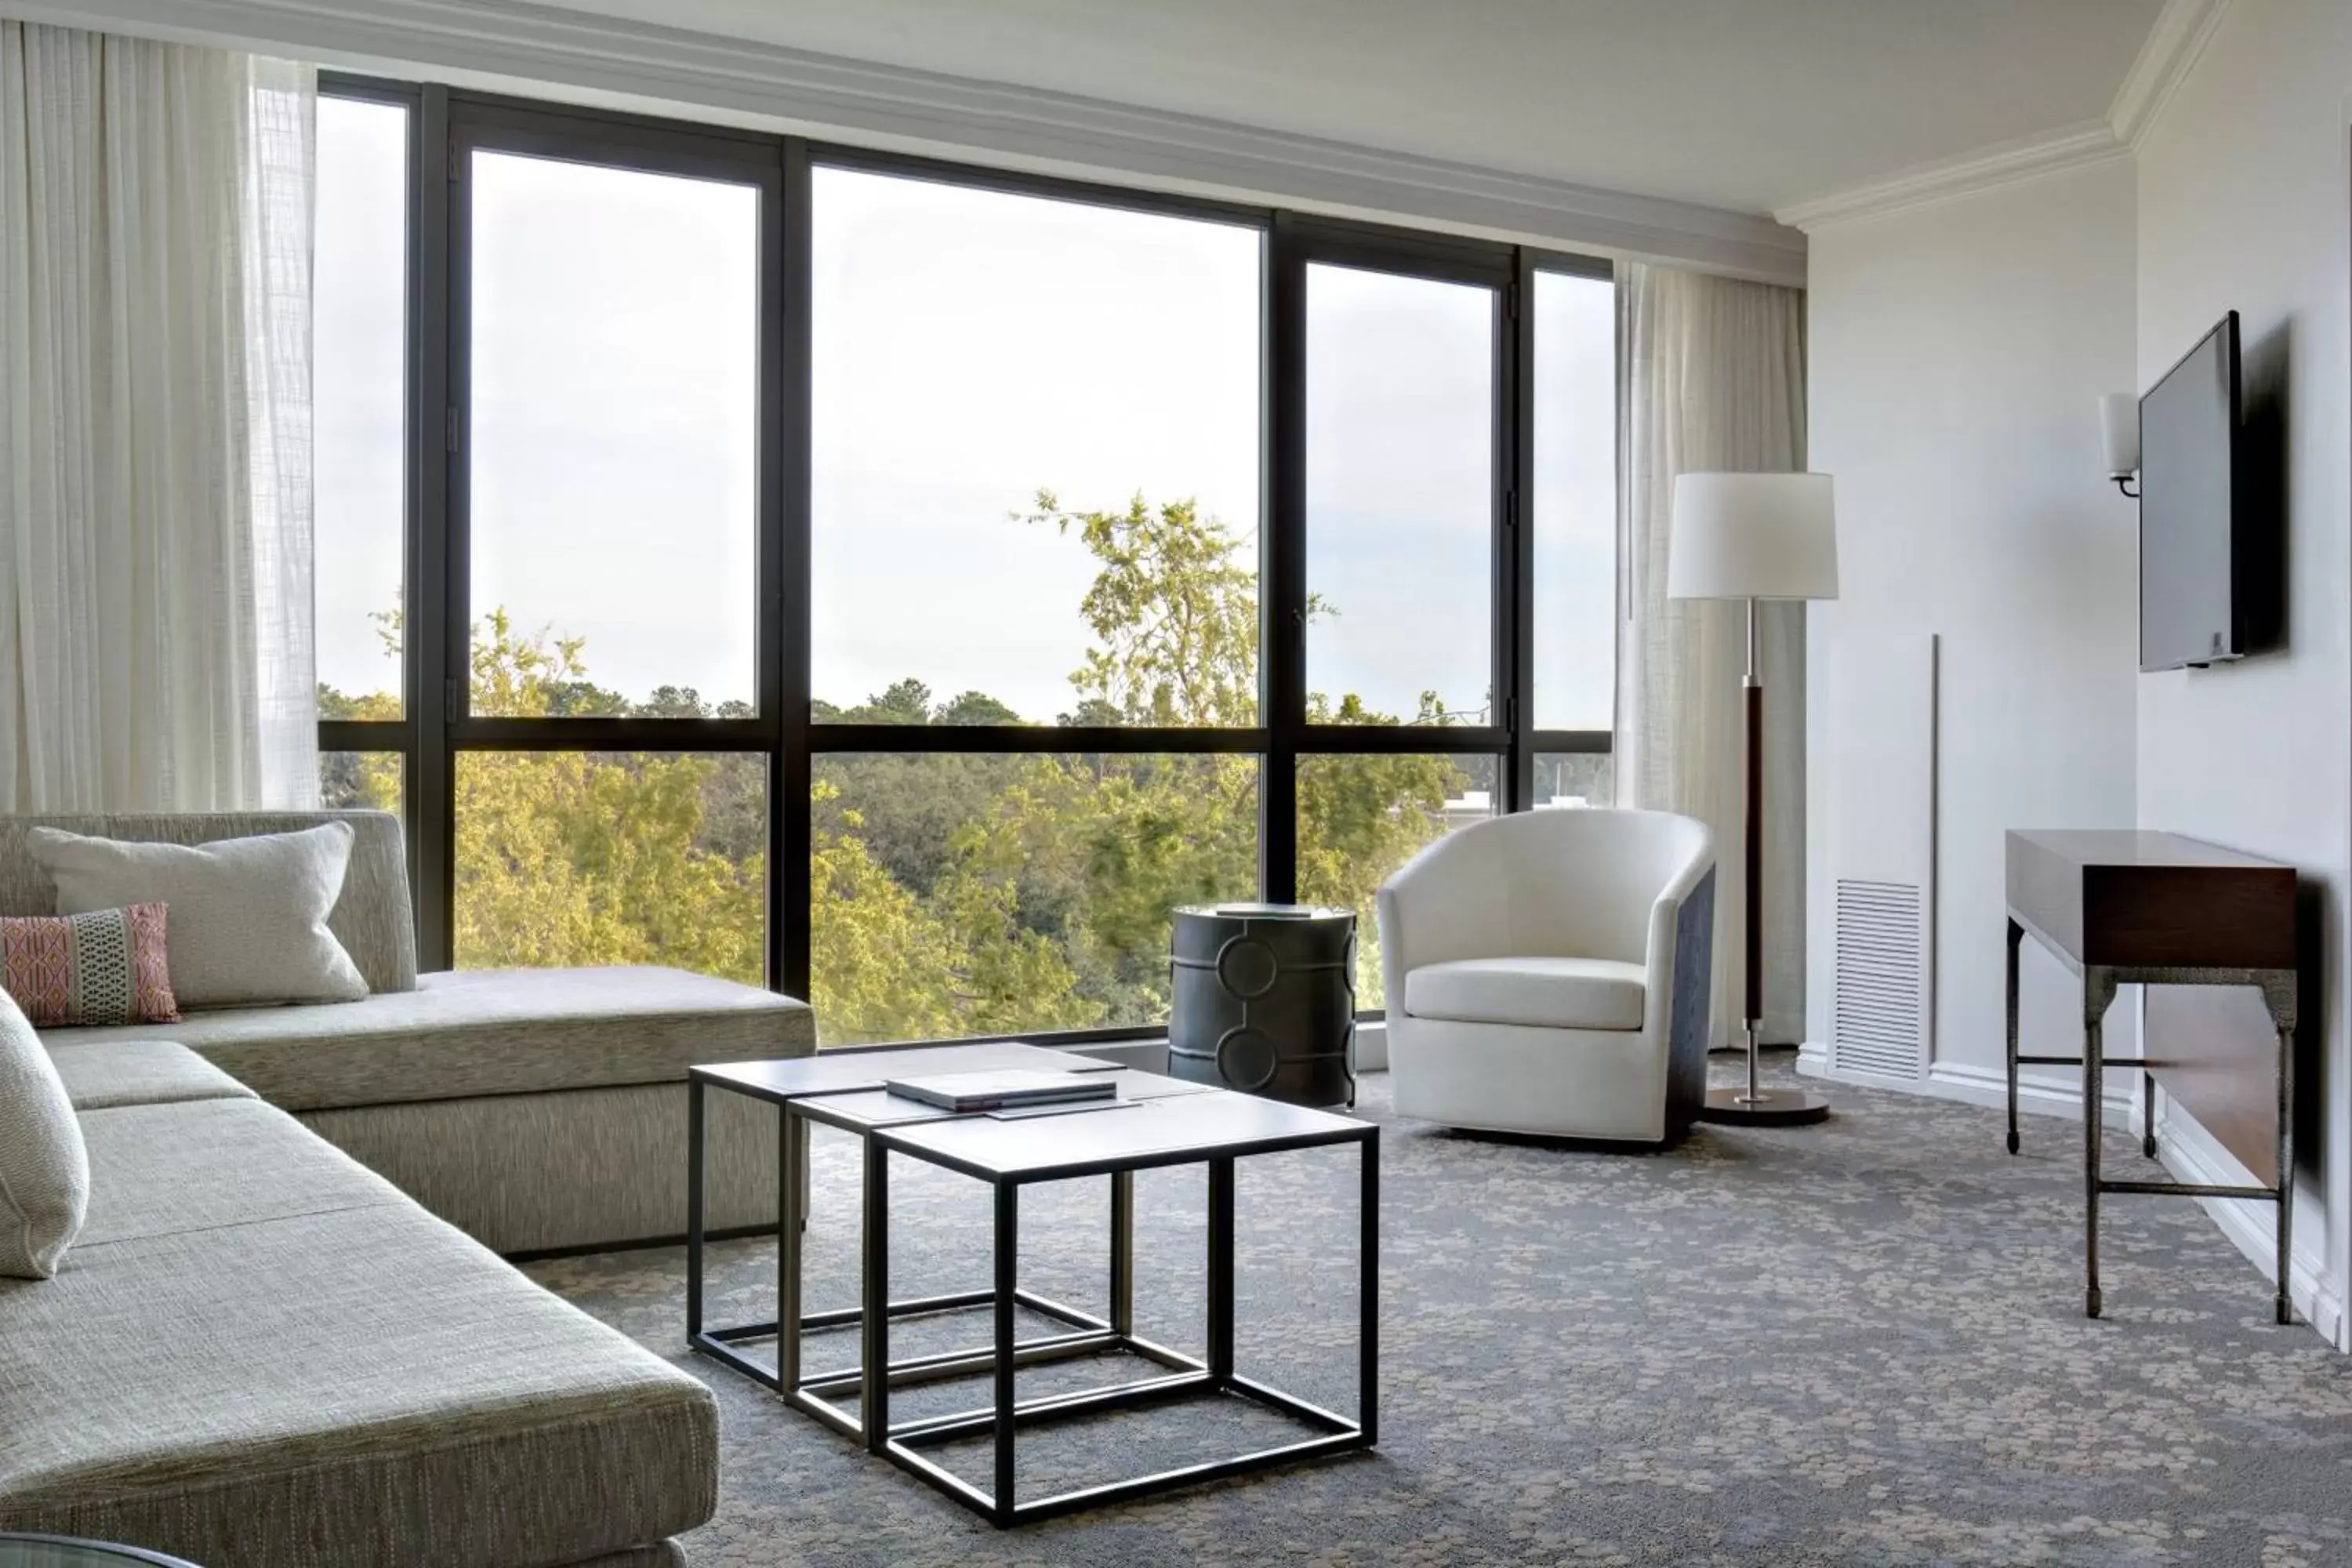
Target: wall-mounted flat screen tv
[[2193, 510]]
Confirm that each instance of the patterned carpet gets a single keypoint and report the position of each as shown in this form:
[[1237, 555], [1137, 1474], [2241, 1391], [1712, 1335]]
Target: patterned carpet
[[1860, 1342]]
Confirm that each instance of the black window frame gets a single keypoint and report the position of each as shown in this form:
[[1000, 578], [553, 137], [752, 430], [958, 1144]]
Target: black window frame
[[447, 124]]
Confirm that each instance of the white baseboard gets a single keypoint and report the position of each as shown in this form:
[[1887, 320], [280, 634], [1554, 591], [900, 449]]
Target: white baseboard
[[2252, 1224], [1972, 1085]]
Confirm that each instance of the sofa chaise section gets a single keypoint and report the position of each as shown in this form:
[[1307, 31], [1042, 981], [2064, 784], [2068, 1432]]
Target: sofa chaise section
[[468, 1033], [260, 1353], [537, 1109]]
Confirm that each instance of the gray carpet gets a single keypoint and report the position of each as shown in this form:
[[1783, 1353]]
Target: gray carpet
[[1859, 1342]]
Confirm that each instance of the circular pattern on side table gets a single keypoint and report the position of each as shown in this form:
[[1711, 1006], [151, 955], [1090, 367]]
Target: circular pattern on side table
[[1263, 1000]]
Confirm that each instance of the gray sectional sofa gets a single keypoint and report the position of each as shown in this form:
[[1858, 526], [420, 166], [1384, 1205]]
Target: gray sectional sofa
[[261, 1354], [535, 1110], [263, 1351]]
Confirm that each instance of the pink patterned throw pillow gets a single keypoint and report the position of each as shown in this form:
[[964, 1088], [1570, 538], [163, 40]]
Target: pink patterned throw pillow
[[106, 967]]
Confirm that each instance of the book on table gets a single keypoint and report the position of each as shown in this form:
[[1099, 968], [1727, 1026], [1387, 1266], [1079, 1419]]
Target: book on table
[[966, 1092]]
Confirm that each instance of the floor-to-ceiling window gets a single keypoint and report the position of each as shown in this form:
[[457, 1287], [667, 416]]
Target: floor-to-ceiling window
[[606, 510], [1036, 483], [906, 584], [1575, 591], [359, 412]]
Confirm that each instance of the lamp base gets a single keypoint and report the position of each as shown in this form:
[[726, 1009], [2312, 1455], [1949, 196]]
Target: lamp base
[[1765, 1108]]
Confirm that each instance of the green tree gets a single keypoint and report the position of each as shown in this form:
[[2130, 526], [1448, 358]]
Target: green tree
[[1174, 608], [573, 859]]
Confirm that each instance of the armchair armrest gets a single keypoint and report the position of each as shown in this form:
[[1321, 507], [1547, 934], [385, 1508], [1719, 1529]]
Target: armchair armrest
[[1680, 983], [1441, 905]]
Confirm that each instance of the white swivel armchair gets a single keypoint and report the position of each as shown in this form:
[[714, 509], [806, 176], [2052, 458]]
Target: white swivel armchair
[[1548, 972]]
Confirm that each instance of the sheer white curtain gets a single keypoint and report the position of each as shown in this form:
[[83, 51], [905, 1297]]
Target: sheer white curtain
[[1713, 377], [155, 589]]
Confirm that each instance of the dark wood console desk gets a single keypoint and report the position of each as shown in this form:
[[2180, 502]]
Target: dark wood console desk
[[2155, 908]]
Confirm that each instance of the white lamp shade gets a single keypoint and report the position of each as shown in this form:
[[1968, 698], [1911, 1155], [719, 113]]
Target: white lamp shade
[[2119, 424], [1753, 536]]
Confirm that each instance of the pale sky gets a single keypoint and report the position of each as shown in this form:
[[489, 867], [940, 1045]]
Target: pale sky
[[969, 348]]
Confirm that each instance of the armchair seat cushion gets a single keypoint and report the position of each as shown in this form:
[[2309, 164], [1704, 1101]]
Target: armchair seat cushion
[[1542, 992]]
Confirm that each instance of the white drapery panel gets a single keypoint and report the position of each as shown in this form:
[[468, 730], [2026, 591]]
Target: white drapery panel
[[1713, 377], [155, 540]]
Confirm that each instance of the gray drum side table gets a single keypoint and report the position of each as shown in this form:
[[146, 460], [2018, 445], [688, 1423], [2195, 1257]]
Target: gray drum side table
[[1264, 1000]]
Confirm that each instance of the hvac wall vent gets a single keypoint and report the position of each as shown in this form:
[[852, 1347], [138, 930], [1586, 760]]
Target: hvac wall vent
[[1882, 860]]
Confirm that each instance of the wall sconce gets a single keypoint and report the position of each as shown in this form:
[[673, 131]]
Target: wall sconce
[[2119, 422]]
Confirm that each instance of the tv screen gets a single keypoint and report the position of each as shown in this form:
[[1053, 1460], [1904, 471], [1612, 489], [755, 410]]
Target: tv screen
[[2191, 469]]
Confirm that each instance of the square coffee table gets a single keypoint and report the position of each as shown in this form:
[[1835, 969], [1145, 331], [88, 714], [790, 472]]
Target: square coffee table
[[1212, 1129], [854, 1077], [843, 1089]]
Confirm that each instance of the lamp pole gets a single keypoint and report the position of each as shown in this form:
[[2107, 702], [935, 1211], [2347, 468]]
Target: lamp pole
[[1757, 1106]]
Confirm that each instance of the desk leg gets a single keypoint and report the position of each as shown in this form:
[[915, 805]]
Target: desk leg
[[2098, 991], [2016, 934], [2281, 995], [2285, 1305]]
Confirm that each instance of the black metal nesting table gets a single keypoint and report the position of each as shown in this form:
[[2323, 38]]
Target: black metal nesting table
[[1167, 1122]]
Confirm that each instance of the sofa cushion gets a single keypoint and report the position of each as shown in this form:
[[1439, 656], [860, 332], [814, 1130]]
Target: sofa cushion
[[323, 1375], [44, 1170], [373, 918], [183, 1167], [137, 1072], [248, 916], [1547, 993], [491, 1031]]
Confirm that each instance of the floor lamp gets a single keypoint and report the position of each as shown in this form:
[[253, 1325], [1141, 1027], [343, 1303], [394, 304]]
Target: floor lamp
[[1750, 537]]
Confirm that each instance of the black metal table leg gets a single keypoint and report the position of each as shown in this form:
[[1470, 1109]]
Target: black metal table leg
[[792, 1179], [1122, 1252], [1367, 1365], [1221, 1270], [1008, 1284], [694, 1110], [874, 1387]]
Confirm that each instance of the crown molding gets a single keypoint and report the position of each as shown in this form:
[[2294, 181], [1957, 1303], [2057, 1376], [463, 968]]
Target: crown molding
[[2082, 146], [2166, 57], [856, 101], [2181, 32]]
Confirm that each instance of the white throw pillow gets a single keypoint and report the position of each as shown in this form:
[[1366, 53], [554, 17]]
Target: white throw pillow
[[248, 915], [44, 1169]]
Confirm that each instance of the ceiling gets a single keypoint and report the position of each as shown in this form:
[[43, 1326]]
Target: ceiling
[[1741, 104]]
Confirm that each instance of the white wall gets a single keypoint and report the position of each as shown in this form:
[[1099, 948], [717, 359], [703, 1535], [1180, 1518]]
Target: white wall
[[2242, 204], [1958, 353]]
